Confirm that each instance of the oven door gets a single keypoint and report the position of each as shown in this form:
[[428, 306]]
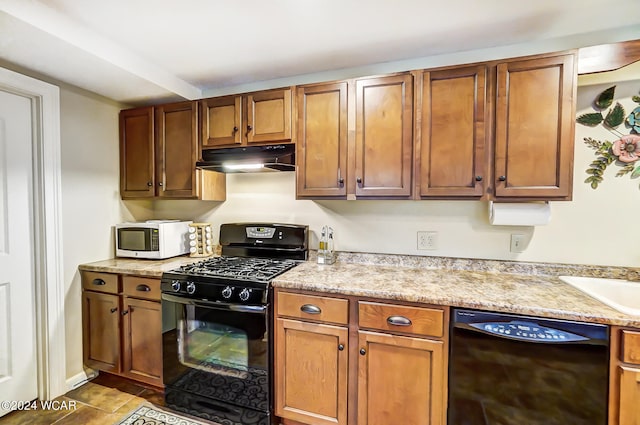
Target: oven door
[[215, 359]]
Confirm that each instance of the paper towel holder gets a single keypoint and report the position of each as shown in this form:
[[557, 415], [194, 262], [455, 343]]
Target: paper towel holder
[[520, 213]]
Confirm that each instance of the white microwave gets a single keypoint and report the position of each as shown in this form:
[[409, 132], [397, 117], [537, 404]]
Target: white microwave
[[152, 239]]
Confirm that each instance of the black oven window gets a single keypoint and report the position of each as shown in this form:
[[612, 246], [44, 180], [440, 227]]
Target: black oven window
[[222, 342]]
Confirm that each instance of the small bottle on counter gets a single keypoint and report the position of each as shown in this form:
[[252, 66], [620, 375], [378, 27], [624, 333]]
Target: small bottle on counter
[[325, 248]]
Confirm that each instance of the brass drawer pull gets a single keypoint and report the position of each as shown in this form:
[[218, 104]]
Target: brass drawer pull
[[143, 288], [398, 321], [310, 309]]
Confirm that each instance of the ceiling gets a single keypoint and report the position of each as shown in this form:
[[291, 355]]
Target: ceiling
[[146, 51]]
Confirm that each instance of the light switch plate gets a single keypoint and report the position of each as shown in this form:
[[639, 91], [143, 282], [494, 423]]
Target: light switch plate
[[517, 242]]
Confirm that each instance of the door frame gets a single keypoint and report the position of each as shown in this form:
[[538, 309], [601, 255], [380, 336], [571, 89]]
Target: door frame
[[47, 222]]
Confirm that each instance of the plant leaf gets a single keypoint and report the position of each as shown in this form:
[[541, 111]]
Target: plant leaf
[[605, 99], [636, 172], [636, 99], [591, 119], [594, 185], [615, 117]]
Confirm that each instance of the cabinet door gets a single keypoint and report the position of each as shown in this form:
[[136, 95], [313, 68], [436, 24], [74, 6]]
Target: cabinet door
[[176, 150], [221, 121], [101, 331], [311, 372], [535, 119], [452, 145], [384, 136], [142, 340], [137, 168], [629, 396], [401, 380], [269, 116], [321, 148]]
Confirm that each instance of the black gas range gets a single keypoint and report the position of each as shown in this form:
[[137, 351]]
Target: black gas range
[[217, 321]]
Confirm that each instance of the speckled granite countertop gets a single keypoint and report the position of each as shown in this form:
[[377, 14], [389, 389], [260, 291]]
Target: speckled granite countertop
[[463, 283], [503, 286], [133, 266]]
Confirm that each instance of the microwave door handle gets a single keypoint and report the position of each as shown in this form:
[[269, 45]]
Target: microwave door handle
[[216, 305]]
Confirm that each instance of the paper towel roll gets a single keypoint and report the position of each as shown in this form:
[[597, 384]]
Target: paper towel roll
[[519, 214]]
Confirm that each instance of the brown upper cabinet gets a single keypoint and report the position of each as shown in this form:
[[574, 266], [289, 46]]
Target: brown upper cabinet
[[260, 117], [355, 138], [384, 136], [158, 152], [137, 144], [321, 149], [534, 130], [452, 127]]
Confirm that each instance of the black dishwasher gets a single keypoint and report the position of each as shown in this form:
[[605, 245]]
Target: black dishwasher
[[518, 370]]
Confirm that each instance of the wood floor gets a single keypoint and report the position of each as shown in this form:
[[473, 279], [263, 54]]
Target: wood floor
[[103, 401]]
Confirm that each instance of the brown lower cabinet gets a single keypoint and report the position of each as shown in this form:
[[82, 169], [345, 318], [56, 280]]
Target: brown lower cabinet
[[122, 325], [351, 360], [624, 405]]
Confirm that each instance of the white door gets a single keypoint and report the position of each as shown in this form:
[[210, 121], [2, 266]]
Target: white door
[[18, 361]]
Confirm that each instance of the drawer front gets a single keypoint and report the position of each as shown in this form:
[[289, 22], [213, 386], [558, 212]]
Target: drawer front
[[141, 287], [398, 318], [100, 282], [631, 347], [312, 307]]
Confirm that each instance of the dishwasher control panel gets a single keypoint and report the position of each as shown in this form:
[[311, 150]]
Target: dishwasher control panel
[[527, 331], [530, 329]]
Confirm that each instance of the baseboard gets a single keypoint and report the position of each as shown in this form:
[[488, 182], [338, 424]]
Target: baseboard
[[81, 378]]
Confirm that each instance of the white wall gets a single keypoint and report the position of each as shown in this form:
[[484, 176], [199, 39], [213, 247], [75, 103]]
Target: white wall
[[599, 227], [90, 198]]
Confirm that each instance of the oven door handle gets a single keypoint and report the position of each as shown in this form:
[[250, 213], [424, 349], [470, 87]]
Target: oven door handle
[[220, 306]]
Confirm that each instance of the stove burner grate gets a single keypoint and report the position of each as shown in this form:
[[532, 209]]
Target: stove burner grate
[[245, 268]]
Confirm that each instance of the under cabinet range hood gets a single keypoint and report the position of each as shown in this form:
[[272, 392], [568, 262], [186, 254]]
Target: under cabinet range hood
[[249, 159]]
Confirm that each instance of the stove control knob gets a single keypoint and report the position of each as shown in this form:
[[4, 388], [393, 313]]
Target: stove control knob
[[226, 292], [191, 287], [244, 294], [175, 285]]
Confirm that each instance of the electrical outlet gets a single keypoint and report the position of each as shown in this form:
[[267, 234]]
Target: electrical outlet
[[517, 242], [427, 240]]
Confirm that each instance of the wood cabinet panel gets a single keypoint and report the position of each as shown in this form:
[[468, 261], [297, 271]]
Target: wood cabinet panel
[[269, 116], [122, 328], [400, 380], [535, 114], [176, 150], [141, 287], [629, 396], [142, 340], [101, 330], [158, 153], [137, 166], [384, 136], [630, 346], [311, 372], [221, 121], [100, 282], [398, 318], [312, 307], [453, 130], [321, 146]]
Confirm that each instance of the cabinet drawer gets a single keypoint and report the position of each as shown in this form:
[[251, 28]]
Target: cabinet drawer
[[325, 309], [101, 282], [390, 317], [631, 347], [141, 287]]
